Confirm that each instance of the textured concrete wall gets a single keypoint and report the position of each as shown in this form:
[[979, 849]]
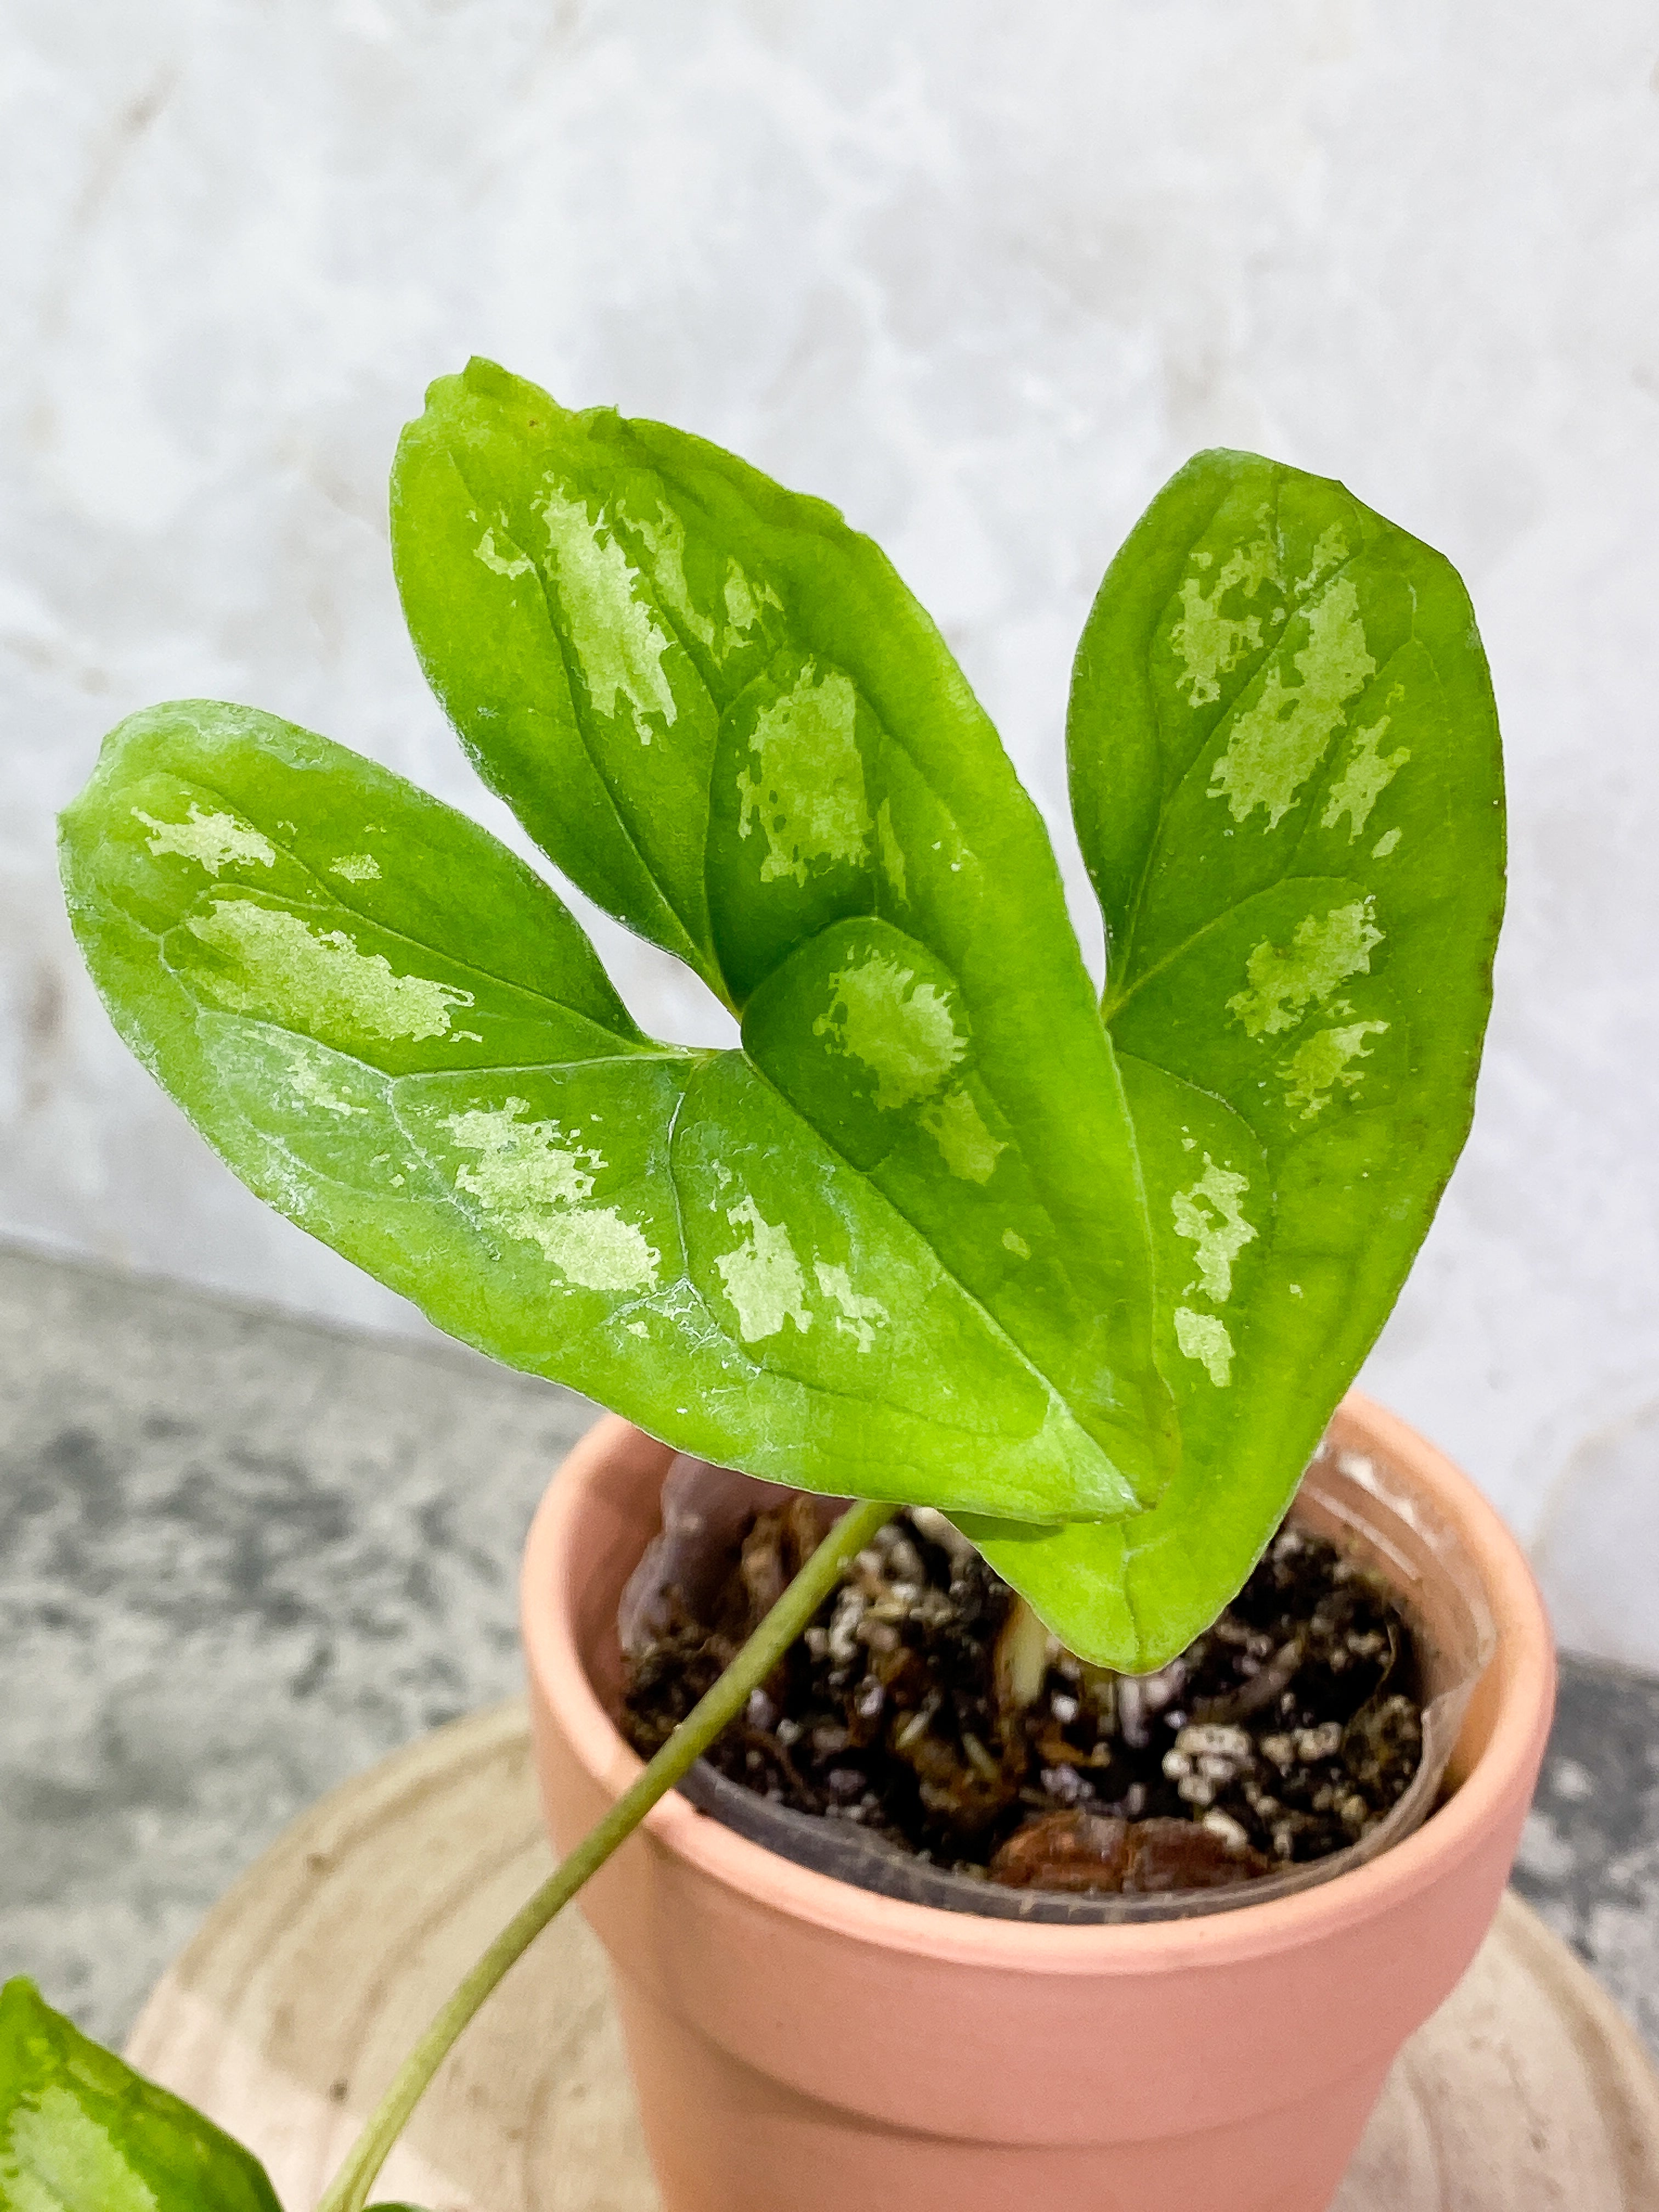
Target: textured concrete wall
[[982, 276]]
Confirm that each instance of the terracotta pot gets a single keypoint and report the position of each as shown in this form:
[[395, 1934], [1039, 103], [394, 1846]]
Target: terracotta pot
[[800, 2044]]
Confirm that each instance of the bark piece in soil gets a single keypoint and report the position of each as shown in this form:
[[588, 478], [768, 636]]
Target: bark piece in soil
[[1093, 1851]]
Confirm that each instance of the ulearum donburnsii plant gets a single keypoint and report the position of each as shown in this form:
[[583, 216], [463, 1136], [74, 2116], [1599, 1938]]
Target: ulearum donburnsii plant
[[1086, 1273]]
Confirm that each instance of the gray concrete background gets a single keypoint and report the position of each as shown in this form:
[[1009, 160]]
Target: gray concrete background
[[982, 276], [1589, 1855], [241, 1557]]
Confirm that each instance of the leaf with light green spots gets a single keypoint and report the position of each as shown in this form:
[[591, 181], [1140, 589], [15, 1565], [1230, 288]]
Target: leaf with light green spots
[[1286, 780], [895, 1242], [932, 1231], [80, 2131]]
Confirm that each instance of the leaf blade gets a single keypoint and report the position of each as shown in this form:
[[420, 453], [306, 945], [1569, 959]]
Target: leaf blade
[[80, 2131], [661, 1229], [843, 773], [1287, 784]]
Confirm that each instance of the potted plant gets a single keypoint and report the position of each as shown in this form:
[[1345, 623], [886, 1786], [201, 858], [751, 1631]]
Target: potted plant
[[1082, 1278]]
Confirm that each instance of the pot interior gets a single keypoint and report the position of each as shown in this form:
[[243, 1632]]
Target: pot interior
[[1354, 1497]]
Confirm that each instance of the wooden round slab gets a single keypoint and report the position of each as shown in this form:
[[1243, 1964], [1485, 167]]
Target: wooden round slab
[[307, 1984]]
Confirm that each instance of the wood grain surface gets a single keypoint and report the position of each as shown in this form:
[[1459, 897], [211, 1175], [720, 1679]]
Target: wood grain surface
[[287, 2015]]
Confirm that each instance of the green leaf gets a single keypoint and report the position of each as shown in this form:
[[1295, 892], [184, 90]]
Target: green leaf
[[718, 710], [936, 1231], [80, 2132], [1287, 779], [795, 1257]]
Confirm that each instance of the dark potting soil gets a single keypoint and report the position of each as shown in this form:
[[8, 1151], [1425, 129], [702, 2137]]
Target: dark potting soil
[[928, 1705]]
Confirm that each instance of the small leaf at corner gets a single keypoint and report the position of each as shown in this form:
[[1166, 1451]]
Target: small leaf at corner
[[80, 2131]]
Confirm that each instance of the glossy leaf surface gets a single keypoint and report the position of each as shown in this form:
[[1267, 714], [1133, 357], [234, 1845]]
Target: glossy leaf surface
[[935, 1232], [719, 711], [80, 2132], [1286, 780], [396, 1034]]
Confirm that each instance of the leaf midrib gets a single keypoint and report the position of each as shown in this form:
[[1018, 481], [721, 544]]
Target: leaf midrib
[[1296, 607], [998, 1328], [1317, 785], [650, 1048], [702, 961]]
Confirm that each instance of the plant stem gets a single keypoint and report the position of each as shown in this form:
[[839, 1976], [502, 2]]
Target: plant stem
[[706, 1721]]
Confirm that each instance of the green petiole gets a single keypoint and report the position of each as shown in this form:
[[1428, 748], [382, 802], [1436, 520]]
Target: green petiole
[[722, 1704]]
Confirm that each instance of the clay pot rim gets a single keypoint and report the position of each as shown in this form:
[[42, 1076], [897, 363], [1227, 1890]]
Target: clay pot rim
[[1522, 1668]]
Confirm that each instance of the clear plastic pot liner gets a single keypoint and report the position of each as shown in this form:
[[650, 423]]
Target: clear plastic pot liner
[[1352, 1498]]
